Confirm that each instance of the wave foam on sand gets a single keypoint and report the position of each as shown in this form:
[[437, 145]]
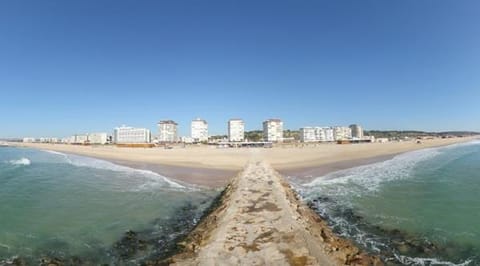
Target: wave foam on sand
[[82, 161]]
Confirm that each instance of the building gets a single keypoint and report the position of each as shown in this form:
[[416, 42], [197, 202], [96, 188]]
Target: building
[[199, 130], [167, 130], [29, 140], [325, 134], [316, 134], [273, 130], [342, 133], [98, 138], [131, 135], [236, 130], [79, 139], [357, 131], [308, 134]]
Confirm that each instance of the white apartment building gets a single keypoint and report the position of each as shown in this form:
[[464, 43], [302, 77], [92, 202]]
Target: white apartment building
[[273, 130], [316, 134], [167, 130], [342, 133], [199, 130], [236, 130], [327, 134], [131, 135], [29, 140], [307, 134], [78, 139], [357, 131], [98, 138]]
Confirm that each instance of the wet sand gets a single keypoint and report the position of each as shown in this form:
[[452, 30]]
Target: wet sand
[[205, 177]]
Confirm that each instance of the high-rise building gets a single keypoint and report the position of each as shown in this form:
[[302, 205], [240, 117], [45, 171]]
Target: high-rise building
[[273, 130], [357, 131], [199, 130], [342, 133], [167, 130], [236, 130], [130, 135]]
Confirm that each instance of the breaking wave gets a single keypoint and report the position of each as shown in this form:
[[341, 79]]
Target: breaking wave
[[332, 195], [82, 161], [367, 178], [22, 161]]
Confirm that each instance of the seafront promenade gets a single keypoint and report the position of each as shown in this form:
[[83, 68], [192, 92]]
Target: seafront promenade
[[260, 221]]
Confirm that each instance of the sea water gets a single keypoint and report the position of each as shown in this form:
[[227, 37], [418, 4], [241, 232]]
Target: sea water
[[419, 208], [58, 205]]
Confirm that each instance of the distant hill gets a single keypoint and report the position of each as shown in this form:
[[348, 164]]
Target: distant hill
[[393, 134]]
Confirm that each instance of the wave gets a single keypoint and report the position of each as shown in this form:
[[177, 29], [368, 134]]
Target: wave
[[428, 261], [22, 161], [331, 197], [82, 161], [367, 178]]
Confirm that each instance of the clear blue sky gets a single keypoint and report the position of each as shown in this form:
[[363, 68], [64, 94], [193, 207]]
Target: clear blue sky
[[81, 66]]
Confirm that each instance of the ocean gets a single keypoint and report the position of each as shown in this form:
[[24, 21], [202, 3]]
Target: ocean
[[81, 210], [419, 208]]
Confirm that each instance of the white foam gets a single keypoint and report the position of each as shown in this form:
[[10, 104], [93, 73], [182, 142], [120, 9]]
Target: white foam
[[368, 178], [428, 261], [22, 161], [82, 161]]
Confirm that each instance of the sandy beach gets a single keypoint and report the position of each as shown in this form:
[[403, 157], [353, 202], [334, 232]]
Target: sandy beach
[[213, 167]]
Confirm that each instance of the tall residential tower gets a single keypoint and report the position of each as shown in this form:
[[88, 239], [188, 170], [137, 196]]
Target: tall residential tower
[[167, 130], [273, 130], [199, 130], [236, 130]]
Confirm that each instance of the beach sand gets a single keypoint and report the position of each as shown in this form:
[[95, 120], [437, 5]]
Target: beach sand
[[213, 167]]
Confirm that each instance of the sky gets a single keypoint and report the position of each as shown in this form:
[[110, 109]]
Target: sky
[[70, 67]]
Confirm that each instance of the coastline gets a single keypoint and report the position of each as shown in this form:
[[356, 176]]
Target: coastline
[[336, 250], [210, 167]]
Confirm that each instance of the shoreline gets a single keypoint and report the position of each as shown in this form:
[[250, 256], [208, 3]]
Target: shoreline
[[336, 250], [214, 168]]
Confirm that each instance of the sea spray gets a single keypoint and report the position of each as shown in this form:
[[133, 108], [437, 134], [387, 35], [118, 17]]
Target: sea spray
[[22, 161]]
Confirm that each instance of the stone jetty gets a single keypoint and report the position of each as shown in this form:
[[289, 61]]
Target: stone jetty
[[259, 220]]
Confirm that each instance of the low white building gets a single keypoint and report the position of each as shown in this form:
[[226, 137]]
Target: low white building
[[307, 134], [325, 134], [29, 140], [236, 130], [342, 133], [79, 139], [316, 134], [131, 135], [98, 138], [199, 130], [273, 130]]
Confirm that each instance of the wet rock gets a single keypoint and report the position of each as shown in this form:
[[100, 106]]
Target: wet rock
[[14, 261], [51, 262]]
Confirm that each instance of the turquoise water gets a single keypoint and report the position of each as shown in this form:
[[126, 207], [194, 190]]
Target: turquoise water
[[53, 204], [420, 208]]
